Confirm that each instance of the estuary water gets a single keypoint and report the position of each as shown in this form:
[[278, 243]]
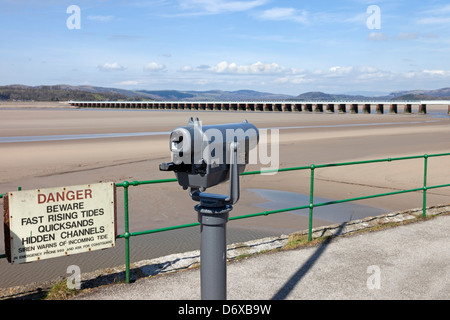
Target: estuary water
[[62, 137], [335, 213]]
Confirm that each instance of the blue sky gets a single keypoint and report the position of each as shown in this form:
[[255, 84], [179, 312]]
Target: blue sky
[[286, 47]]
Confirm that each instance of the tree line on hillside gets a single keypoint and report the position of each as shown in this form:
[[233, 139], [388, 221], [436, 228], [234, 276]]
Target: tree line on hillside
[[49, 93]]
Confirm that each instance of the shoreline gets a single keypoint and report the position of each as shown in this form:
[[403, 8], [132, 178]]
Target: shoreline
[[35, 104]]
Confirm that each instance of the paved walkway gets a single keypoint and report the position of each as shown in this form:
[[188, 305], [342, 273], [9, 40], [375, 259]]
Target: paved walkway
[[406, 262]]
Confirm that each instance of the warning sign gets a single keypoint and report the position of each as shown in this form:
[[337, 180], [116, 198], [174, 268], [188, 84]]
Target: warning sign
[[48, 223]]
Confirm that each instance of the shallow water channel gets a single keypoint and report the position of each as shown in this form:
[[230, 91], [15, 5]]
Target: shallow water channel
[[335, 213]]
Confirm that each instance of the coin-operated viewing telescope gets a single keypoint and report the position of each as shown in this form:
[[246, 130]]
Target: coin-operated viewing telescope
[[202, 157]]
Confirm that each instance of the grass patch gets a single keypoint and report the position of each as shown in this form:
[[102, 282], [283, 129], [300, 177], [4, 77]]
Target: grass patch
[[60, 291], [296, 241]]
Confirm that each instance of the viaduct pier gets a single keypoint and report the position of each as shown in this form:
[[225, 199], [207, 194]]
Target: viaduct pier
[[365, 107]]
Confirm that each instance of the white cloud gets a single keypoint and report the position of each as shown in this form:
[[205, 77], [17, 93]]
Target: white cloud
[[220, 6], [436, 15], [378, 75], [282, 80], [287, 14], [128, 83], [257, 67], [115, 66], [360, 18], [234, 68], [436, 72], [297, 79], [438, 10], [434, 20], [338, 70], [407, 36], [187, 69], [333, 18], [154, 67], [347, 74], [368, 69], [100, 18], [332, 79], [409, 75], [377, 36], [430, 36]]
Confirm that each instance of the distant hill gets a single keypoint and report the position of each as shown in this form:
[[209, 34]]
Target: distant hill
[[90, 93], [166, 94], [214, 95], [64, 93], [438, 94], [314, 96]]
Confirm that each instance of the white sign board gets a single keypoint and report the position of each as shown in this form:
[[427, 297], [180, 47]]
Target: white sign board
[[53, 222]]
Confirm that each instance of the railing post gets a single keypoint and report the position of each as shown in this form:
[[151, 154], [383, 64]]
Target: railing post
[[425, 169], [127, 232], [311, 202]]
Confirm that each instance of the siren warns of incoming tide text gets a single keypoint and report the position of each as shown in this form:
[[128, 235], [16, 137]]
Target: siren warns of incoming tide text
[[48, 223]]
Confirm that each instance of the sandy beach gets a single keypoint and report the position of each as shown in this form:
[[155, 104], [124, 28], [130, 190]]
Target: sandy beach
[[310, 139]]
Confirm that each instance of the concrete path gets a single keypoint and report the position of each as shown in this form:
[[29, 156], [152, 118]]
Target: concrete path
[[406, 262]]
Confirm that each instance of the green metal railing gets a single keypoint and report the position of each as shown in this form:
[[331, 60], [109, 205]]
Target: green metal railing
[[424, 188]]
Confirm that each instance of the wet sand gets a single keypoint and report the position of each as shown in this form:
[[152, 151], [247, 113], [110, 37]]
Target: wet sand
[[317, 138]]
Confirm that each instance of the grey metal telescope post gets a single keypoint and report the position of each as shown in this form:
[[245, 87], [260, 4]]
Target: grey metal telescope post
[[213, 212], [196, 173]]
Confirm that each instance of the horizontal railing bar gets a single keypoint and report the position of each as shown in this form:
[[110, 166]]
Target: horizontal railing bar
[[138, 233], [275, 170], [438, 155], [373, 161], [438, 186], [348, 163], [266, 213], [366, 197], [137, 183]]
